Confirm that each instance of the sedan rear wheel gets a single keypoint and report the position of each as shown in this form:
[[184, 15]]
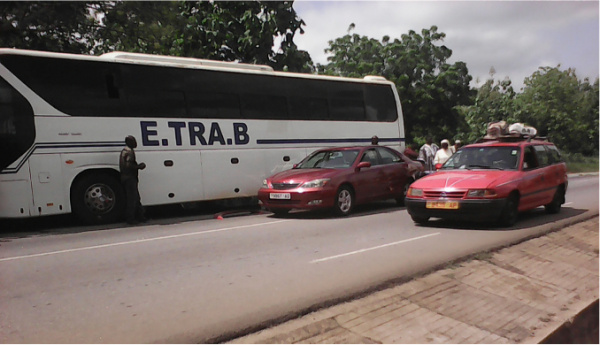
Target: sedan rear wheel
[[344, 201]]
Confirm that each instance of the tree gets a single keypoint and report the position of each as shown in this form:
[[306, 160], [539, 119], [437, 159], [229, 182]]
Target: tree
[[220, 30], [494, 102], [61, 26], [223, 30], [430, 89], [562, 108], [354, 56]]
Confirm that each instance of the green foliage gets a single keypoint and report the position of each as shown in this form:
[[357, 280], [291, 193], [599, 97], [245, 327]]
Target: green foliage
[[430, 89], [223, 30], [220, 30], [577, 163], [64, 26], [562, 108], [494, 102]]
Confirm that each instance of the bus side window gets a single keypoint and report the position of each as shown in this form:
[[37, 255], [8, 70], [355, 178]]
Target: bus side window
[[111, 86]]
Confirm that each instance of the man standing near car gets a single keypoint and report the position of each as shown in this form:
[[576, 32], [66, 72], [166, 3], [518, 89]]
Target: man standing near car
[[129, 178], [427, 154]]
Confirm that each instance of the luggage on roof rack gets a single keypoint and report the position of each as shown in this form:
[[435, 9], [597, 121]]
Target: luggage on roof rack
[[501, 131]]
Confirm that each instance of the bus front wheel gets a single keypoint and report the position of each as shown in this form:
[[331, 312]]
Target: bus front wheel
[[97, 198]]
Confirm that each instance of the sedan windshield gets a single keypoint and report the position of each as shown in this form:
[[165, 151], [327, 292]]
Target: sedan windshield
[[329, 160], [501, 158]]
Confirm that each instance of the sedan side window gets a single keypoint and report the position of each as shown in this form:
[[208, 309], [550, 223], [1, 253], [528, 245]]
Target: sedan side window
[[371, 157], [387, 156]]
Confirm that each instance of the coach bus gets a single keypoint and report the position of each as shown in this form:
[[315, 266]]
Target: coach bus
[[207, 130]]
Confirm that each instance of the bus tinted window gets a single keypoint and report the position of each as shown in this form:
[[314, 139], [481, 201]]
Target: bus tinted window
[[97, 88], [17, 130]]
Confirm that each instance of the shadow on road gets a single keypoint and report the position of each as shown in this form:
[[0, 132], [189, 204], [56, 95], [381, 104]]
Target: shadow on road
[[68, 224], [527, 219]]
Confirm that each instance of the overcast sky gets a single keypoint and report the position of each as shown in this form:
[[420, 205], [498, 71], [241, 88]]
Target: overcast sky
[[515, 37]]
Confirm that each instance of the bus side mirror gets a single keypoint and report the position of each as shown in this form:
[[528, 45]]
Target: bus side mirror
[[363, 165]]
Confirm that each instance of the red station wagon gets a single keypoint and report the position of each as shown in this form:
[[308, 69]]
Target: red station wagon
[[339, 178], [493, 181]]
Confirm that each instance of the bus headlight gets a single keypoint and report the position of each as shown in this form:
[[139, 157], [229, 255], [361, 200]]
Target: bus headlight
[[320, 183]]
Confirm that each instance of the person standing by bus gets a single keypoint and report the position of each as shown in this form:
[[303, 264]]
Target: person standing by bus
[[129, 168]]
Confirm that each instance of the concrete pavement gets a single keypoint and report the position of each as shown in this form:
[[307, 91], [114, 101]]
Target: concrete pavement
[[518, 294]]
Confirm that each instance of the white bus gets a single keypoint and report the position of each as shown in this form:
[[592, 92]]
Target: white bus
[[207, 130]]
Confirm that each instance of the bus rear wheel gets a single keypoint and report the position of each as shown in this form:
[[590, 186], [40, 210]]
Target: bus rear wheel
[[97, 198]]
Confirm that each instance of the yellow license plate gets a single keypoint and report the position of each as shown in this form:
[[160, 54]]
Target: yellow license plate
[[444, 205]]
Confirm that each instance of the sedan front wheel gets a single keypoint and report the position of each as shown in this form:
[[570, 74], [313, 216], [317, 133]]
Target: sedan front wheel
[[344, 201]]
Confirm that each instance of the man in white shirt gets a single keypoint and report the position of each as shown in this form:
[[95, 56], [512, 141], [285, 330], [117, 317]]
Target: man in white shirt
[[442, 155], [456, 146]]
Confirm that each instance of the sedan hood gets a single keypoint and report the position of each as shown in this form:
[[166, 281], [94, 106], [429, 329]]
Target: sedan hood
[[464, 179], [301, 175]]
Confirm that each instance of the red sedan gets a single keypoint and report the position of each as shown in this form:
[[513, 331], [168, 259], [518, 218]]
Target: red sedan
[[340, 178]]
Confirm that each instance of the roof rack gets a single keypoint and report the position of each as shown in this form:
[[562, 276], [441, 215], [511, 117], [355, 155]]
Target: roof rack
[[511, 138]]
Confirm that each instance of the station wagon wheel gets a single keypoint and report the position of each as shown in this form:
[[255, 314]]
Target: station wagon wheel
[[557, 201], [510, 213], [344, 201], [419, 220]]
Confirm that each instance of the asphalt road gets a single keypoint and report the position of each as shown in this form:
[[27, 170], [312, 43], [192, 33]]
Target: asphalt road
[[194, 279]]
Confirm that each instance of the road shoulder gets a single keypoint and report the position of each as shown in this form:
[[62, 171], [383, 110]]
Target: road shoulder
[[518, 294]]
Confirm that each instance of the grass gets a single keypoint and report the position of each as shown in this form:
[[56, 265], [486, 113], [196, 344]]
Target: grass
[[577, 163]]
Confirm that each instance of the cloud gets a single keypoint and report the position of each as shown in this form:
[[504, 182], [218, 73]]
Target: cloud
[[515, 37]]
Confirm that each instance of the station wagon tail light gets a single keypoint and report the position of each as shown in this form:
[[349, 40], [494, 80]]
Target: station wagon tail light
[[481, 193], [320, 183], [266, 184], [414, 192]]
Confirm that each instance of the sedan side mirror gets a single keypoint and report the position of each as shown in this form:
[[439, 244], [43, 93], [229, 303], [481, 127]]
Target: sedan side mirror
[[438, 166], [363, 165]]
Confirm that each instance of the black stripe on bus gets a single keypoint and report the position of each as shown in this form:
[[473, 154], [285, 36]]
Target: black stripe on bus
[[43, 146], [324, 141]]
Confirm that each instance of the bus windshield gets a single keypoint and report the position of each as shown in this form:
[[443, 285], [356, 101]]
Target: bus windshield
[[17, 130]]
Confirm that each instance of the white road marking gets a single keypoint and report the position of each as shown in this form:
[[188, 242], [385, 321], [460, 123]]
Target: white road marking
[[373, 248], [138, 241]]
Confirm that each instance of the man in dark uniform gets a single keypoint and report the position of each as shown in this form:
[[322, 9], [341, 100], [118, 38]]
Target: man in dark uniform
[[129, 178]]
